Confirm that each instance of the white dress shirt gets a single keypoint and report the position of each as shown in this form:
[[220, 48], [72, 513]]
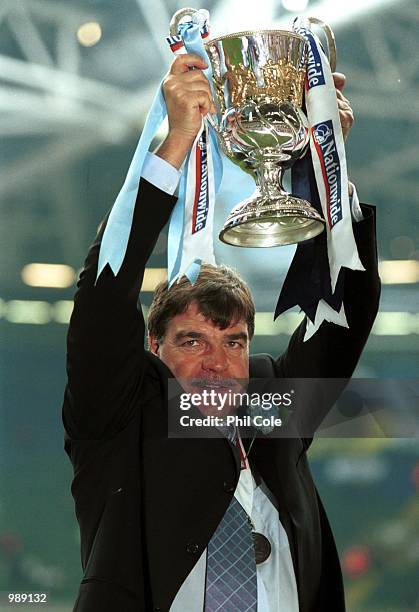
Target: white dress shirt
[[276, 584]]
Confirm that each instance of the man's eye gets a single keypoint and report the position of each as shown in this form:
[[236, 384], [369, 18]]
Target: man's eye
[[234, 344], [191, 343]]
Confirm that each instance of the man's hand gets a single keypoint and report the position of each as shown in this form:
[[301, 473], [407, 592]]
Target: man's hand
[[345, 111], [188, 98]]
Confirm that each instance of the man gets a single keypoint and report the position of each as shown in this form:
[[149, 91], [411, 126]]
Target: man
[[150, 507]]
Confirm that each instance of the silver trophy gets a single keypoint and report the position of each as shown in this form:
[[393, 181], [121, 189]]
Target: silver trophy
[[258, 80]]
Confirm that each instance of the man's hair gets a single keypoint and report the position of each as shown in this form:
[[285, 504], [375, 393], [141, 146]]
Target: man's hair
[[219, 292]]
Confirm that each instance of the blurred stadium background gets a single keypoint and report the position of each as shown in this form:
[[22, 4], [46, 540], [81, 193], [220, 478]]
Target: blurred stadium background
[[76, 79]]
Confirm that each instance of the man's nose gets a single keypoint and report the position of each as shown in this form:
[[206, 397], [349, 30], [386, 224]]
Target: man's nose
[[215, 360]]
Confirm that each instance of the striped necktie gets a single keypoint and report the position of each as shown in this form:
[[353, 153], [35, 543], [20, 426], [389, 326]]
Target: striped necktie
[[231, 584]]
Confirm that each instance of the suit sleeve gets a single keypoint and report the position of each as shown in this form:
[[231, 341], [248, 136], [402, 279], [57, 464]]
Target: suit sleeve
[[334, 351], [105, 342]]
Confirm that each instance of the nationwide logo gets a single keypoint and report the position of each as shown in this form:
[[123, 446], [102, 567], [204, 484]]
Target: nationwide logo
[[324, 141], [315, 74], [200, 207]]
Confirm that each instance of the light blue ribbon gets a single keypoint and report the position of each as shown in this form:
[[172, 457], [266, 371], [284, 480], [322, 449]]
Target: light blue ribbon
[[115, 238], [193, 44]]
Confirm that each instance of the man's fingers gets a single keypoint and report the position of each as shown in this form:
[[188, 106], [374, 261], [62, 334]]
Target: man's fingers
[[192, 97], [176, 87], [344, 105], [347, 118], [345, 111], [192, 80], [204, 102], [346, 114], [339, 80], [194, 76], [196, 81], [179, 88], [340, 96], [196, 99], [186, 61]]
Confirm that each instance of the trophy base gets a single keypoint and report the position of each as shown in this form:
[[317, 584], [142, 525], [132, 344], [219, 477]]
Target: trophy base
[[263, 222]]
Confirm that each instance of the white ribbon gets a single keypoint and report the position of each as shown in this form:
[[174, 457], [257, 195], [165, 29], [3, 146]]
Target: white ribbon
[[198, 223], [329, 161]]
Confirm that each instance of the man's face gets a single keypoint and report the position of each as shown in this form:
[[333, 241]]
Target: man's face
[[202, 356]]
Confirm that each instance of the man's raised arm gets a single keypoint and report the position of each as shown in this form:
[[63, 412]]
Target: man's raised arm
[[105, 343], [334, 351], [105, 347]]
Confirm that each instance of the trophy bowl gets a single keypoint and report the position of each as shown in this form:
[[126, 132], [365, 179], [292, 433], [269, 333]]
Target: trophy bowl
[[258, 81]]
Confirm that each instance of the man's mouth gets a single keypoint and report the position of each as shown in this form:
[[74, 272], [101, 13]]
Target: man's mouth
[[214, 384]]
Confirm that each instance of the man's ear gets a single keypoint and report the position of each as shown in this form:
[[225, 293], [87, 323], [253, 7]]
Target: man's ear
[[153, 345]]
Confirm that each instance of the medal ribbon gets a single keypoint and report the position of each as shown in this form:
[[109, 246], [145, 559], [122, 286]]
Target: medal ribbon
[[244, 462]]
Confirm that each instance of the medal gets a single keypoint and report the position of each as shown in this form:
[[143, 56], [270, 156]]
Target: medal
[[262, 547]]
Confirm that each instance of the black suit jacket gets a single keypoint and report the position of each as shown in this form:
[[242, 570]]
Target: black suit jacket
[[147, 505]]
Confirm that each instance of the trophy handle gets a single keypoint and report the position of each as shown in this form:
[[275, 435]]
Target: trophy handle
[[180, 14], [173, 28], [331, 41]]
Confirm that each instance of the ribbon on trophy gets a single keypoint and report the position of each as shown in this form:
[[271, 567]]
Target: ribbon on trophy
[[190, 240], [191, 224], [315, 280]]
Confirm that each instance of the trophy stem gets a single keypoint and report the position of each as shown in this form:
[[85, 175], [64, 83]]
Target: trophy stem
[[271, 216], [268, 178]]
